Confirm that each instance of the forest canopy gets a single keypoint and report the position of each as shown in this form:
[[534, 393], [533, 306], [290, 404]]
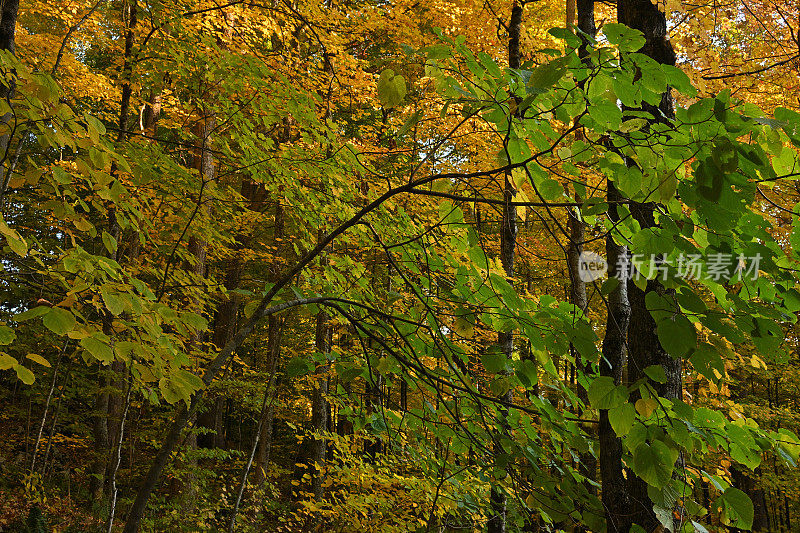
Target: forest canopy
[[385, 266]]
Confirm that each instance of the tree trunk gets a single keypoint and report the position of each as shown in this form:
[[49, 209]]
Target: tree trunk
[[108, 405], [275, 330], [644, 346], [577, 230], [614, 491], [8, 25], [319, 407], [508, 243]]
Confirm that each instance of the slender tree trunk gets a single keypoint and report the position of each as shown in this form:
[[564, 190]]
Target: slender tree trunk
[[263, 452], [508, 243], [225, 323], [275, 328], [100, 438], [109, 405], [577, 230], [8, 24], [319, 407], [614, 491]]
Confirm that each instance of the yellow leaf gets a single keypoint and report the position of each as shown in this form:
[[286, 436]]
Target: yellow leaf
[[646, 407], [38, 359]]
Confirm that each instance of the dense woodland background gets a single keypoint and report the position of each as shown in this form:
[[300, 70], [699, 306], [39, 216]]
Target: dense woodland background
[[312, 266]]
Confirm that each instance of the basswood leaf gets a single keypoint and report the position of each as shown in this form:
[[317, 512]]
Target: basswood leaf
[[494, 362], [391, 88], [737, 509], [645, 407], [545, 76], [528, 372], [6, 361], [654, 463], [627, 39], [656, 373], [14, 239], [59, 321], [622, 418], [25, 375], [38, 359], [113, 302], [604, 394], [677, 335], [98, 349], [298, 366], [193, 381], [708, 362], [31, 313], [109, 242], [7, 335], [171, 390]]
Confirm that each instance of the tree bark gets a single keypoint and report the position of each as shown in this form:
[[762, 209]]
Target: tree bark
[[8, 25], [319, 407], [644, 346], [274, 334], [614, 491], [508, 243]]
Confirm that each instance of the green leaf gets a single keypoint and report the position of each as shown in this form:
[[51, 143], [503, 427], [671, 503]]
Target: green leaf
[[679, 80], [250, 308], [99, 349], [656, 373], [677, 336], [707, 360], [654, 463], [194, 320], [298, 366], [59, 321], [7, 335], [391, 88], [528, 372], [6, 361], [604, 394], [621, 418], [113, 302], [737, 509], [192, 381], [627, 39], [61, 176], [409, 123], [31, 313], [171, 390], [14, 239], [110, 242], [545, 76], [25, 375], [494, 362]]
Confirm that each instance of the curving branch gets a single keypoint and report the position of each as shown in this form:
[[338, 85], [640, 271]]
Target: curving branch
[[75, 27]]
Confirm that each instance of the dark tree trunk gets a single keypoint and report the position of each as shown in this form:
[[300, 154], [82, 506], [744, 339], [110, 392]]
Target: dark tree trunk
[[576, 230], [644, 346], [274, 334], [508, 243], [8, 24], [319, 407], [614, 491], [213, 418], [100, 437]]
